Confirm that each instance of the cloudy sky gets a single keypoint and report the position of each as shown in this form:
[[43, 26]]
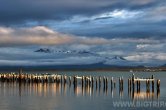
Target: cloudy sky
[[132, 29]]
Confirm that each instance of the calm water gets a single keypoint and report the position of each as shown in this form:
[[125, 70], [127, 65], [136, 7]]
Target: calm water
[[15, 96]]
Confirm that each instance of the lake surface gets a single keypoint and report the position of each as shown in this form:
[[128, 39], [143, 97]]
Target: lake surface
[[52, 96]]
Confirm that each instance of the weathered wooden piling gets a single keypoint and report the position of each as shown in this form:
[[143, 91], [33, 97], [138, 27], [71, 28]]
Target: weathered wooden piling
[[104, 82], [88, 81], [152, 83], [74, 80], [65, 79], [69, 80], [158, 88], [112, 82], [120, 83], [96, 84], [129, 85], [158, 84], [147, 85], [99, 81], [92, 79], [61, 78], [133, 83], [82, 81], [137, 85]]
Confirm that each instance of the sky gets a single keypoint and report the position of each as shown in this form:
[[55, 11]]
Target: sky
[[105, 29]]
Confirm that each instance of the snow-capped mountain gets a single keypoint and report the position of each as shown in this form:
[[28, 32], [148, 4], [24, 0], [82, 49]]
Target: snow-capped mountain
[[65, 56], [84, 57], [44, 50]]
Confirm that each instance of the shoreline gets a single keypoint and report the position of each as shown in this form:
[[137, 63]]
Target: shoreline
[[113, 69]]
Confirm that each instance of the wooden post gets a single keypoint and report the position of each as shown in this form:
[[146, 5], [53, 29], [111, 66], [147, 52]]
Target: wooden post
[[147, 85], [112, 82], [158, 88], [133, 82], [61, 78], [104, 81], [65, 79], [158, 85], [122, 83], [69, 80], [99, 81], [82, 81], [96, 83], [89, 80], [152, 83], [137, 86], [92, 81], [129, 87]]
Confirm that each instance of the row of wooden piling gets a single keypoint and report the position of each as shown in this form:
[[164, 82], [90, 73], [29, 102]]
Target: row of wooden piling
[[132, 82], [85, 81]]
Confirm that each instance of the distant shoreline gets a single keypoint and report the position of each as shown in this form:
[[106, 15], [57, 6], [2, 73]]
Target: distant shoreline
[[134, 69]]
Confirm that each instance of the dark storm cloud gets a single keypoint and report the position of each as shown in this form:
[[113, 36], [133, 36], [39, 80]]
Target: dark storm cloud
[[21, 11]]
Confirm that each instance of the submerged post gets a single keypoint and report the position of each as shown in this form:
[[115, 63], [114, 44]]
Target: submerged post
[[96, 83], [158, 85], [152, 83], [147, 85], [158, 88], [133, 82], [82, 81]]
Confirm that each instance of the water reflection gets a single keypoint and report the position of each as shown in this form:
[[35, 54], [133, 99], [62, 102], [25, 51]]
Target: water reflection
[[65, 89]]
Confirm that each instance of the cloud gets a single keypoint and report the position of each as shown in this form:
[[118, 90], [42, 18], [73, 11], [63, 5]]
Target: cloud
[[106, 18], [146, 56], [15, 12], [42, 35], [115, 14]]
